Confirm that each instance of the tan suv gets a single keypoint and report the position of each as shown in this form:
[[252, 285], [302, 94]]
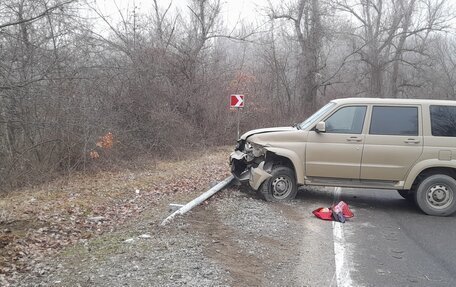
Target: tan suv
[[401, 144]]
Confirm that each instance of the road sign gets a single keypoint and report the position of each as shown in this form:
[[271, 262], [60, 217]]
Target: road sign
[[236, 101]]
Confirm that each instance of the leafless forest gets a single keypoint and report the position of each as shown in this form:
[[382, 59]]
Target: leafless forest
[[157, 81]]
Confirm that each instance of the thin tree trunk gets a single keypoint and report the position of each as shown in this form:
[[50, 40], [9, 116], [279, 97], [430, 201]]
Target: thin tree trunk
[[399, 49]]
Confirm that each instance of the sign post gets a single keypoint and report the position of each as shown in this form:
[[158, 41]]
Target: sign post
[[238, 115], [237, 102]]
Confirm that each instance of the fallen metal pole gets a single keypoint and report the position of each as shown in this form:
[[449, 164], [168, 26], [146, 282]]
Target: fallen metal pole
[[186, 208]]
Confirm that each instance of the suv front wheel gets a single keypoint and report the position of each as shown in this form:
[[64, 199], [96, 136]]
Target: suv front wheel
[[436, 195], [281, 186]]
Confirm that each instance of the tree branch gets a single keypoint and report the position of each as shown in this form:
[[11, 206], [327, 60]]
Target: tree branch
[[44, 13]]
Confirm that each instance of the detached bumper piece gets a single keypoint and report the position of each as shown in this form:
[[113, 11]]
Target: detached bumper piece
[[258, 175]]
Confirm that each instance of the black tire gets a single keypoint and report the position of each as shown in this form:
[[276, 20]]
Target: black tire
[[281, 186], [436, 195], [406, 194]]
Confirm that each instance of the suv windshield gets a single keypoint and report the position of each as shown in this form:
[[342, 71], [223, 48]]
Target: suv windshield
[[305, 124]]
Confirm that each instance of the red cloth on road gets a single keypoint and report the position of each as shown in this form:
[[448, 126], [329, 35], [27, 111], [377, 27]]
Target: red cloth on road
[[345, 209], [323, 213], [326, 213]]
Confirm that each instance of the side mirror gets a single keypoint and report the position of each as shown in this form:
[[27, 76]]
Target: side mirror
[[321, 127]]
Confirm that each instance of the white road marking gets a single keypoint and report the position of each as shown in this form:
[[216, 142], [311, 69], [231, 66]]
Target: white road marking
[[341, 258]]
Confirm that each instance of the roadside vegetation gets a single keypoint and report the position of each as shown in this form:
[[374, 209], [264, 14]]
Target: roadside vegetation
[[156, 81], [38, 222]]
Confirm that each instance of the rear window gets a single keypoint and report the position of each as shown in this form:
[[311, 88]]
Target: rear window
[[394, 121], [443, 121]]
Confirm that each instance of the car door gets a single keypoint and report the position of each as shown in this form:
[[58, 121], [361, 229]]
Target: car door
[[336, 153], [393, 144]]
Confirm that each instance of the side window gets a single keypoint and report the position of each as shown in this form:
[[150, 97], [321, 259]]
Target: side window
[[347, 120], [443, 121], [394, 121]]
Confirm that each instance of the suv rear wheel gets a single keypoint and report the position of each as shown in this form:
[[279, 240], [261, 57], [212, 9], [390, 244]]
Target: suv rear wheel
[[281, 186], [436, 195]]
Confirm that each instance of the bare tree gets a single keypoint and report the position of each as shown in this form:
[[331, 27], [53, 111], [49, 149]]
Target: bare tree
[[387, 30], [307, 24], [34, 51], [159, 80]]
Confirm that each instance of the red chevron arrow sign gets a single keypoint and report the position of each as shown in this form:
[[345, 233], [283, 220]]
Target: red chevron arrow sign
[[236, 101]]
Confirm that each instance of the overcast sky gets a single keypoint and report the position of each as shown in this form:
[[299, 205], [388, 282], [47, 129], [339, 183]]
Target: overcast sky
[[232, 10]]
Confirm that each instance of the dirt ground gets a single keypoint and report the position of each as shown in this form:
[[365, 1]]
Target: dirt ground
[[234, 239], [45, 221]]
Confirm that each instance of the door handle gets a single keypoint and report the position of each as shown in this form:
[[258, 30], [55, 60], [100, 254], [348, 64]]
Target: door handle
[[412, 141], [354, 139]]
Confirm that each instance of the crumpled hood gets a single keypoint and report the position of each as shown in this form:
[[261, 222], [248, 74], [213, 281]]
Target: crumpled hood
[[266, 130]]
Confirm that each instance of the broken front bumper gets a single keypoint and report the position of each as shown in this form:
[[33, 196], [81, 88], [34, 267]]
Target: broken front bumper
[[258, 175], [239, 166], [245, 169]]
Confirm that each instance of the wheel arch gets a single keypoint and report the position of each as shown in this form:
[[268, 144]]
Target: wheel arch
[[424, 169], [287, 158]]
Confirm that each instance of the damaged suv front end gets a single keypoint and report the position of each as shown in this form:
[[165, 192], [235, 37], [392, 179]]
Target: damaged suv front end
[[272, 160], [248, 161]]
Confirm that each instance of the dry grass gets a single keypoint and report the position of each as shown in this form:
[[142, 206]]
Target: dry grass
[[39, 221]]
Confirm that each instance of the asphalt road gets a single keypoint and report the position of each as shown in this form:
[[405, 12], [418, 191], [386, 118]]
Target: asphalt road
[[389, 242]]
